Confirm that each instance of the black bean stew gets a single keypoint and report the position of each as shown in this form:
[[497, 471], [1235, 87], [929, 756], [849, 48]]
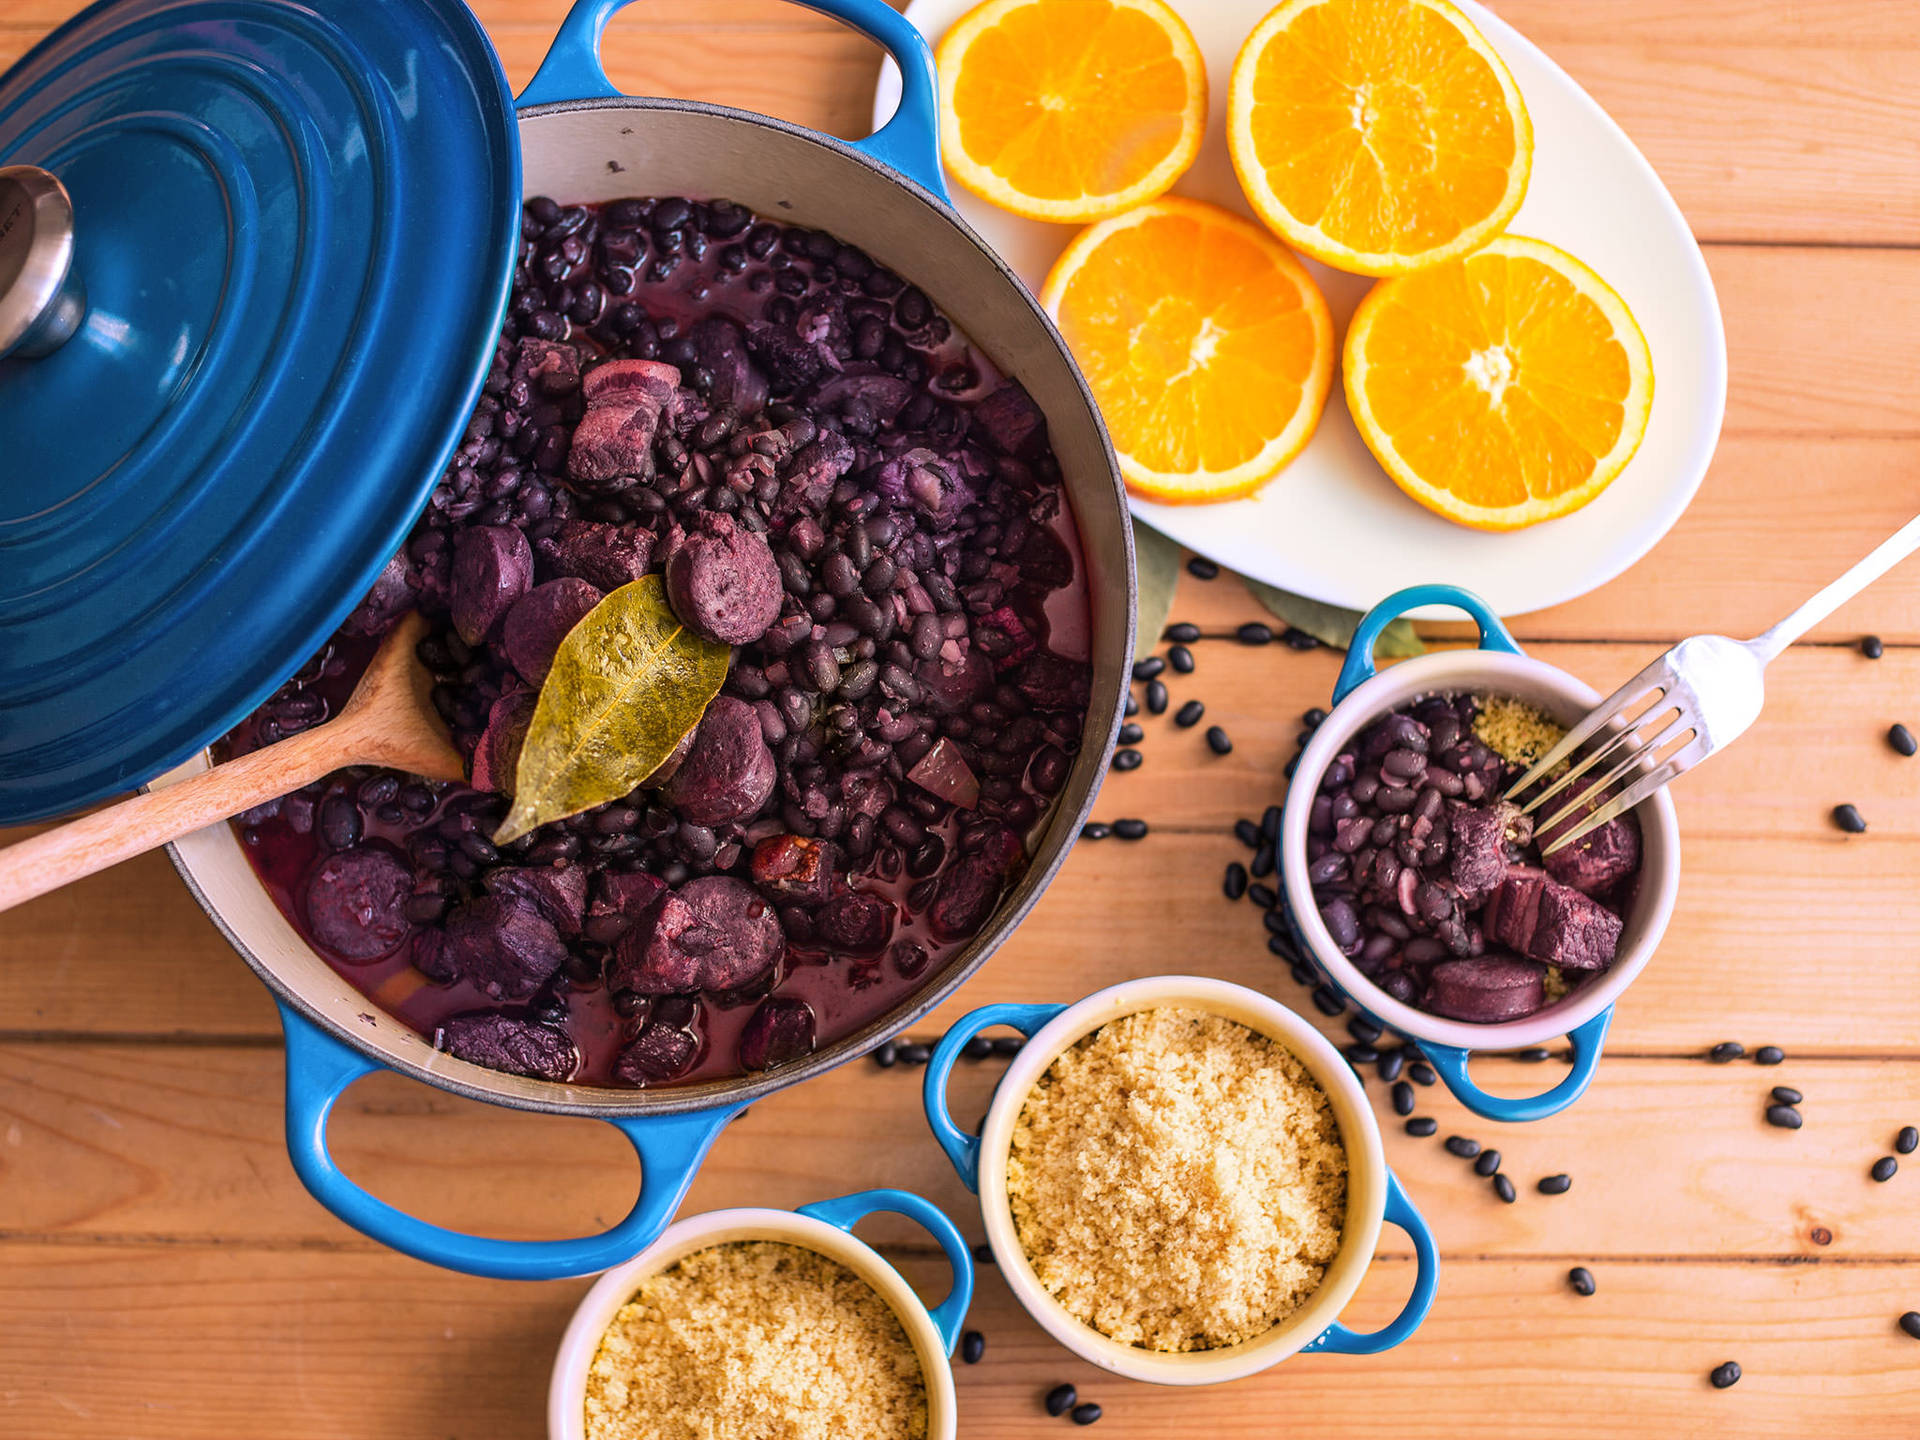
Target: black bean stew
[[834, 483]]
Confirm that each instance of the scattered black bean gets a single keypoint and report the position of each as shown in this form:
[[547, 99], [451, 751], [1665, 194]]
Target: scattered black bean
[[1236, 882], [1296, 639], [1131, 734], [1402, 1098], [1422, 1074], [1769, 1055], [1148, 668], [1910, 1322], [1488, 1162], [1156, 698], [1219, 741], [1127, 759], [1581, 1279], [1364, 1030], [915, 1053], [1009, 1044], [1885, 1168], [983, 1254], [972, 1346], [1133, 705], [1270, 823], [1784, 1116], [1130, 829], [1247, 833], [1872, 646], [886, 1055], [1085, 1414], [1254, 633], [1726, 1051], [1095, 830], [1061, 1399], [1787, 1095], [1263, 861], [1422, 1126], [1907, 1141], [1463, 1147], [1725, 1375], [1555, 1184], [1314, 718], [978, 1047], [1902, 740], [1391, 1063], [1503, 1187], [1186, 634], [1181, 659], [1849, 819], [1263, 896], [1202, 568], [1359, 1054], [1329, 1003], [1533, 1056], [1188, 715]]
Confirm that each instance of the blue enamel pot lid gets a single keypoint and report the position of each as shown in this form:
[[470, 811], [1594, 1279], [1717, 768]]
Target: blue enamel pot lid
[[295, 227]]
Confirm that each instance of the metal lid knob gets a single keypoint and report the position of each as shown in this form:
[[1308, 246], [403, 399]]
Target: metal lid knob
[[41, 299]]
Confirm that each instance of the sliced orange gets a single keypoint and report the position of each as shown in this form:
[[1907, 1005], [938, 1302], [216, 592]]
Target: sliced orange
[[1377, 135], [1207, 344], [1070, 110], [1501, 390]]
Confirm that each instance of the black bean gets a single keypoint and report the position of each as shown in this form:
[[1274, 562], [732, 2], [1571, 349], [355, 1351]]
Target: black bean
[[1133, 705], [1188, 715], [1263, 861], [1008, 1044], [1907, 1141], [1581, 1279], [1254, 633], [1422, 1074], [1270, 823], [913, 1052], [1061, 1399], [1202, 568], [1463, 1147], [1555, 1184], [1488, 1162], [1872, 647], [1127, 759], [1885, 1168], [1328, 1002], [1085, 1414], [1181, 659], [1156, 698], [1849, 819], [1236, 882], [972, 1346], [983, 1254], [1402, 1098], [978, 1047], [1391, 1063], [1725, 1051], [1314, 718], [1422, 1126], [1783, 1116], [1263, 896], [1148, 668], [1902, 740], [1184, 633], [1910, 1322], [1130, 829], [886, 1055], [1503, 1187], [1247, 833], [1533, 1056], [1131, 734], [1219, 741], [1769, 1055], [1787, 1095], [1725, 1375], [1095, 830], [1358, 1054]]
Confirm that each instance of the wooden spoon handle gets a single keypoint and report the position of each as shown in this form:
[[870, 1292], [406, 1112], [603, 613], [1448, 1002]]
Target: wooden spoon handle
[[144, 822]]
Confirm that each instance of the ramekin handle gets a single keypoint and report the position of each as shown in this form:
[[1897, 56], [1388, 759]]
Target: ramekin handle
[[1339, 1340], [1359, 665], [963, 1149], [849, 1210], [1586, 1041]]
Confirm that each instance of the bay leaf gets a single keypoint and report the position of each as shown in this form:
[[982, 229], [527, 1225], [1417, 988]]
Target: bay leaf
[[627, 685], [1156, 561], [1331, 625]]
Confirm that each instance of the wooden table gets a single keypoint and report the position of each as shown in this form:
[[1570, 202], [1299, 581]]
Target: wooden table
[[163, 1274]]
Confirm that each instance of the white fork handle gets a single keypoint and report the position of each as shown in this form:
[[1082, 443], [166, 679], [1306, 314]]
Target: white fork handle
[[1887, 554]]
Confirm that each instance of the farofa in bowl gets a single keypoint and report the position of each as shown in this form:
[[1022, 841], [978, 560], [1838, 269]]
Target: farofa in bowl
[[1178, 1181]]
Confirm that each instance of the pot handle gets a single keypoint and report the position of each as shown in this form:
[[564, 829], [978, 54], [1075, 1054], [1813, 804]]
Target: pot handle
[[850, 1210], [962, 1148], [1359, 667], [1586, 1040], [1337, 1339], [670, 1147], [909, 142]]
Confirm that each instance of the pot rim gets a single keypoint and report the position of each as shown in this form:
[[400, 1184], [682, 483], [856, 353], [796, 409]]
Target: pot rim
[[1474, 670], [1065, 824], [1367, 1171], [566, 1390]]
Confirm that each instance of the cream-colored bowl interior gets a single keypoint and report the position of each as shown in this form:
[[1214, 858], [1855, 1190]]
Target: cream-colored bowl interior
[[567, 1392], [1359, 1134]]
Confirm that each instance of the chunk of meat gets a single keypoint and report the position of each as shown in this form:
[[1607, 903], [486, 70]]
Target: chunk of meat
[[621, 901], [778, 1033], [1053, 682], [729, 773], [613, 443], [856, 923], [971, 886], [715, 933], [720, 348], [560, 894], [500, 944], [724, 583], [540, 620], [391, 597], [501, 1042], [607, 556], [796, 869], [356, 903], [1599, 860], [497, 756], [1486, 990], [549, 367], [1481, 847], [1010, 422], [1545, 920], [659, 1052], [492, 568]]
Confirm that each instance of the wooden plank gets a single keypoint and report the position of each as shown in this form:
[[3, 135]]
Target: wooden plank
[[116, 1143], [177, 1342]]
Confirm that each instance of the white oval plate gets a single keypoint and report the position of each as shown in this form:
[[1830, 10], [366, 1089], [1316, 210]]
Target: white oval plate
[[1332, 526]]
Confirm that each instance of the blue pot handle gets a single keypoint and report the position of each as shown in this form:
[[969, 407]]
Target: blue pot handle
[[909, 142], [1339, 1340], [670, 1147], [1450, 1062], [964, 1149], [850, 1210], [1359, 667]]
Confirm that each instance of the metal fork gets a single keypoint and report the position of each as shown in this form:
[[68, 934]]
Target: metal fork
[[1680, 709]]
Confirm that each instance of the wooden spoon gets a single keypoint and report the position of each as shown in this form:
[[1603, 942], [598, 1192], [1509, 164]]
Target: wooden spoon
[[388, 721]]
